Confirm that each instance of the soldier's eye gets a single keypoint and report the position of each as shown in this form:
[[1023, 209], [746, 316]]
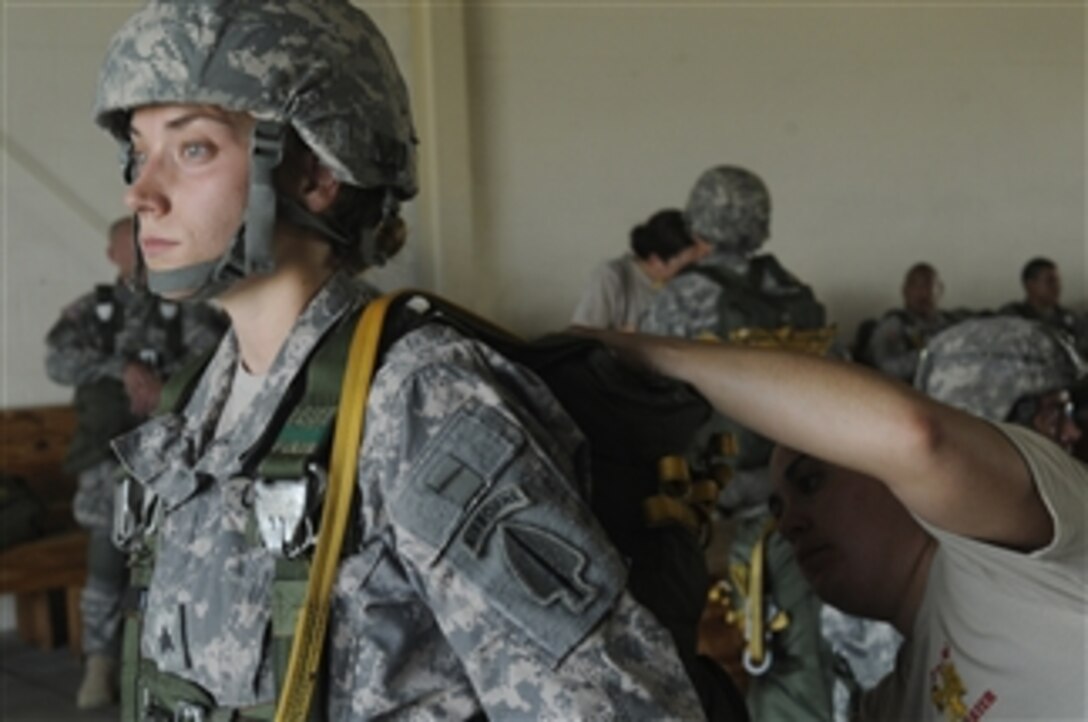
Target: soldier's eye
[[197, 151]]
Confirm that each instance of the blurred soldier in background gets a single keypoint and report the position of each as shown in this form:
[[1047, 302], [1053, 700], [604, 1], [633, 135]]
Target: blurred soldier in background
[[115, 345], [736, 293], [1042, 295], [901, 334], [623, 288]]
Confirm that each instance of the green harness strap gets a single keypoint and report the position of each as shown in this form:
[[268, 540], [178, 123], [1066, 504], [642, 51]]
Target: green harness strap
[[303, 439]]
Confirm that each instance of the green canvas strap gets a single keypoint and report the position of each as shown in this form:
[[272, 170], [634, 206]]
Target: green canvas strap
[[307, 649], [306, 433], [141, 567], [182, 382]]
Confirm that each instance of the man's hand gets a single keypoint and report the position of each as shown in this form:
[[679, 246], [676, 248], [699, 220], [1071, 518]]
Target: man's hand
[[143, 387]]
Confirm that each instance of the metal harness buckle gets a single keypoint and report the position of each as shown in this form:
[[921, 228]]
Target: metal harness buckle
[[188, 712], [285, 512]]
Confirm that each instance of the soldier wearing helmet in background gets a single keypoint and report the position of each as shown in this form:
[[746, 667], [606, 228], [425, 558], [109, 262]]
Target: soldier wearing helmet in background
[[269, 146], [1006, 369], [737, 293], [116, 345]]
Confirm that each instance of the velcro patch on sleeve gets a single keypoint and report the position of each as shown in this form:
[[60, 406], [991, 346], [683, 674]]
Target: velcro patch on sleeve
[[486, 502]]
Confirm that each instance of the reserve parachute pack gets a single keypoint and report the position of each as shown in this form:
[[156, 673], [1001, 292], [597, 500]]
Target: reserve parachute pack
[[655, 508]]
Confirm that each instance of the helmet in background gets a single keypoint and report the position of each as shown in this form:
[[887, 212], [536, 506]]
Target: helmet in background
[[730, 207], [985, 365]]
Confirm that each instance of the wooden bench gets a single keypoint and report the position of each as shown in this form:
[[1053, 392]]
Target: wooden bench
[[45, 574]]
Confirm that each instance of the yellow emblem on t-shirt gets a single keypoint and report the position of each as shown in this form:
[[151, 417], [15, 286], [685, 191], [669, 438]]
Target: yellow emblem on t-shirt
[[947, 691]]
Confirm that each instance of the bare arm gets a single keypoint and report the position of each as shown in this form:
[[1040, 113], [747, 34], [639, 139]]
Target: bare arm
[[951, 469]]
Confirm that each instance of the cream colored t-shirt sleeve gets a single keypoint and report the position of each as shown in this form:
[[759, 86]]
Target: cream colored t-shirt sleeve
[[1062, 482]]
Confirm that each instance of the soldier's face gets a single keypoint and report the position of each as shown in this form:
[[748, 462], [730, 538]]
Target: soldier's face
[[853, 539], [922, 292], [190, 181], [1045, 287]]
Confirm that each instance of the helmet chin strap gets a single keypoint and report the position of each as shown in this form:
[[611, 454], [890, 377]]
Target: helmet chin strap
[[250, 253]]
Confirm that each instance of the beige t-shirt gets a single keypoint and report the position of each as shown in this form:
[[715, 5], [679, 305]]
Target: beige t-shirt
[[616, 296], [1002, 635], [243, 391]]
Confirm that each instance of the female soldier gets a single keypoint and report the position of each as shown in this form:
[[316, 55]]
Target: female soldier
[[525, 617]]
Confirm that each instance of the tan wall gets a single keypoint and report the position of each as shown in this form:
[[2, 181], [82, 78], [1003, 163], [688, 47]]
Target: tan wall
[[888, 132]]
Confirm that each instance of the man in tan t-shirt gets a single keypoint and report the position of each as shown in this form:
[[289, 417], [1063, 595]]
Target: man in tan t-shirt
[[968, 536]]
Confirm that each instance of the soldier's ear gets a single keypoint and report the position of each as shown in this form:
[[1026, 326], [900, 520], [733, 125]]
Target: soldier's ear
[[321, 189]]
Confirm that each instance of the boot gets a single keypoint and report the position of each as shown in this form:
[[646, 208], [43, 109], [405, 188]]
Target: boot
[[99, 685]]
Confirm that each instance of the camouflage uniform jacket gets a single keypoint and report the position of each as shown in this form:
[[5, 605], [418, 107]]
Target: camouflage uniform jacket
[[692, 304], [1059, 317], [898, 340], [89, 352], [469, 475], [75, 352]]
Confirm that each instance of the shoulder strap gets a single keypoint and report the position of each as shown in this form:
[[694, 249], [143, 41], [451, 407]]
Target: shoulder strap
[[305, 434], [736, 291], [179, 387], [362, 360]]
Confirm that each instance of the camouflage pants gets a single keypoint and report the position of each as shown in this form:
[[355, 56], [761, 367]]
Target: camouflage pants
[[798, 686], [107, 575]]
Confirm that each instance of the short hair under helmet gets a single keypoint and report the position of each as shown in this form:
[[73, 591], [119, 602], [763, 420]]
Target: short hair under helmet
[[985, 365], [731, 208], [319, 66]]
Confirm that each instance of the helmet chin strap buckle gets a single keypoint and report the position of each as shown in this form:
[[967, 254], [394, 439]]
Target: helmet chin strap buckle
[[266, 153]]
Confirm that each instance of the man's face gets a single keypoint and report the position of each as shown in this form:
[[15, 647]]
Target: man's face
[[854, 541], [190, 182], [1044, 289], [921, 292]]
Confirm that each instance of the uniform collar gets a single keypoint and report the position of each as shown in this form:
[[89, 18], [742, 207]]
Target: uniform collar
[[175, 454]]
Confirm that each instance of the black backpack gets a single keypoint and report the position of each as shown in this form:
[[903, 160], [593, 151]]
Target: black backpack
[[633, 420]]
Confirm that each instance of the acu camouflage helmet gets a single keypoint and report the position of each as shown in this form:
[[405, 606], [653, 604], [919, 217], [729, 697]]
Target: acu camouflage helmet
[[731, 208], [985, 365], [319, 66]]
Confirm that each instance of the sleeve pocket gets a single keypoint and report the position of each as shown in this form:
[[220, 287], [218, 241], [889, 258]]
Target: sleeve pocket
[[486, 502]]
